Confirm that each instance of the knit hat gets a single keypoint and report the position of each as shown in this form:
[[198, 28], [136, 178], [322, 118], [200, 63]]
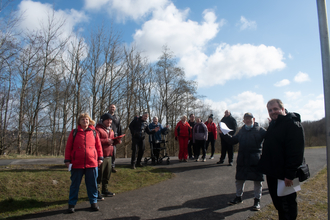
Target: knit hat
[[106, 116], [248, 114]]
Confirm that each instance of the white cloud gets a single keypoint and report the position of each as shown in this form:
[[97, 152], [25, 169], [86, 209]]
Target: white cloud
[[283, 82], [36, 15], [239, 61], [301, 77], [246, 24], [124, 9], [290, 56], [293, 95], [313, 109], [244, 102], [186, 38]]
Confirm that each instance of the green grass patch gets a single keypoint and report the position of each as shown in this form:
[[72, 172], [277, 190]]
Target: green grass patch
[[312, 201], [25, 156], [26, 189]]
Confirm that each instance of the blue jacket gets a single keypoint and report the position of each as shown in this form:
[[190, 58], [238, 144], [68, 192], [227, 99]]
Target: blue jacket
[[158, 135]]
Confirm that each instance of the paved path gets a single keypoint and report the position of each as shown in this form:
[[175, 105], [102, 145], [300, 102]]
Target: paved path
[[200, 190]]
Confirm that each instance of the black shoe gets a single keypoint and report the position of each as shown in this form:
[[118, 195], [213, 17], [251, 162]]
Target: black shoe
[[133, 166], [99, 196], [107, 193], [256, 206], [237, 200], [114, 170], [95, 207], [220, 162], [139, 165], [71, 209]]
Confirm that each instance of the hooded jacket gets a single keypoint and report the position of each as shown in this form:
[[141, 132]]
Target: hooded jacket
[[200, 132], [283, 148], [249, 151], [212, 127], [85, 150]]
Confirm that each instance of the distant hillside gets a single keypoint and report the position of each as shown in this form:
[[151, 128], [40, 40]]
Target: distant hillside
[[315, 133]]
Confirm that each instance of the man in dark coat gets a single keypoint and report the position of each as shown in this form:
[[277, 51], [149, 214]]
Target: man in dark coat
[[225, 146], [138, 127], [192, 123], [116, 127], [282, 154], [250, 138]]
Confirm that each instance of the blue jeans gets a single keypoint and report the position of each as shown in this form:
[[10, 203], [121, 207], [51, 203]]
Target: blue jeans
[[90, 181]]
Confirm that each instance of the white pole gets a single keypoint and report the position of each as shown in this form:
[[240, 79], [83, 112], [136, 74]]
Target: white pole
[[324, 38]]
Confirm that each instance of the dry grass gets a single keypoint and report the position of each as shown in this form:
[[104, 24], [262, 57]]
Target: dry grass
[[312, 201], [26, 189]]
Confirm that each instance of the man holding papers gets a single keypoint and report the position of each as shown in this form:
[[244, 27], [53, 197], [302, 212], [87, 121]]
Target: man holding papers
[[282, 154]]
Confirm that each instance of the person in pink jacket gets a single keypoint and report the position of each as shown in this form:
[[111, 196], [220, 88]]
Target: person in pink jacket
[[83, 152]]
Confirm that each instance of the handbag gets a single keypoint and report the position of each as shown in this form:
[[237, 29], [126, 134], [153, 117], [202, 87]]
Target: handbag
[[303, 172]]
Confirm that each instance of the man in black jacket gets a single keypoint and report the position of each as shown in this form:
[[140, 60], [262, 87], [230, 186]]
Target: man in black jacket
[[282, 154], [116, 127], [138, 127], [192, 123], [225, 146]]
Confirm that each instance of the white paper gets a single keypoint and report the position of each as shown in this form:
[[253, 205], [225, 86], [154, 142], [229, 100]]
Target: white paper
[[283, 190], [70, 166], [224, 129]]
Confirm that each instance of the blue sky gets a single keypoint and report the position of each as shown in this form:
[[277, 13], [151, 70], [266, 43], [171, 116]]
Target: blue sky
[[241, 53]]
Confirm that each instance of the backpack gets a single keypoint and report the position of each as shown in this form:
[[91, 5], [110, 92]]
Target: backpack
[[75, 133]]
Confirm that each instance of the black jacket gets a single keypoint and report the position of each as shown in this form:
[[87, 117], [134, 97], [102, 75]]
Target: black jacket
[[138, 128], [231, 123], [192, 125], [283, 148], [250, 145]]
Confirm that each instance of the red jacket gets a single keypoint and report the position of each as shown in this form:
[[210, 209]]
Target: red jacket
[[85, 150], [182, 129], [212, 128], [104, 138]]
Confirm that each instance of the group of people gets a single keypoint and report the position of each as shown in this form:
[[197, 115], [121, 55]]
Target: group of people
[[91, 151], [276, 152]]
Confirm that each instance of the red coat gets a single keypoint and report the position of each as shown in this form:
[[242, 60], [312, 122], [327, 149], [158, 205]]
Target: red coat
[[85, 150], [104, 138], [212, 128], [182, 129]]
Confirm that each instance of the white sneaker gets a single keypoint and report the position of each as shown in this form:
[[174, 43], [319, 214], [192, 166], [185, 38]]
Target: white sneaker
[[211, 158], [204, 159]]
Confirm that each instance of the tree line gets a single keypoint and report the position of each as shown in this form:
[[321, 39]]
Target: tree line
[[48, 79]]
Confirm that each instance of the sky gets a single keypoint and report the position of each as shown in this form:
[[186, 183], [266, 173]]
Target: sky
[[241, 53]]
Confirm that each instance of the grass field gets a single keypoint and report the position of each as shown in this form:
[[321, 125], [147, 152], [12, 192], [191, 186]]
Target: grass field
[[26, 189]]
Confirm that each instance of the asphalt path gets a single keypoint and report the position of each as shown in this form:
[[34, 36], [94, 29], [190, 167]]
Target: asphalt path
[[199, 190]]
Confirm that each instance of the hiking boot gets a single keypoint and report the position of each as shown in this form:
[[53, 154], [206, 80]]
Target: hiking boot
[[256, 206], [114, 170], [133, 166], [220, 162], [99, 196], [71, 209], [95, 207], [185, 160], [139, 165], [107, 193], [237, 200]]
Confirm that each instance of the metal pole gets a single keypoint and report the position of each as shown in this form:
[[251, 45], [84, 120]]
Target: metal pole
[[324, 38]]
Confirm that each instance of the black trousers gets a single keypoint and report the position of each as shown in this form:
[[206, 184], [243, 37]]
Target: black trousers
[[286, 205], [137, 145], [225, 147], [190, 150], [199, 144], [155, 149]]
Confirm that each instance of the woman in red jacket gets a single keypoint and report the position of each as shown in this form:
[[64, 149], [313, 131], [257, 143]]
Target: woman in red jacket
[[83, 152], [182, 132], [212, 135]]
